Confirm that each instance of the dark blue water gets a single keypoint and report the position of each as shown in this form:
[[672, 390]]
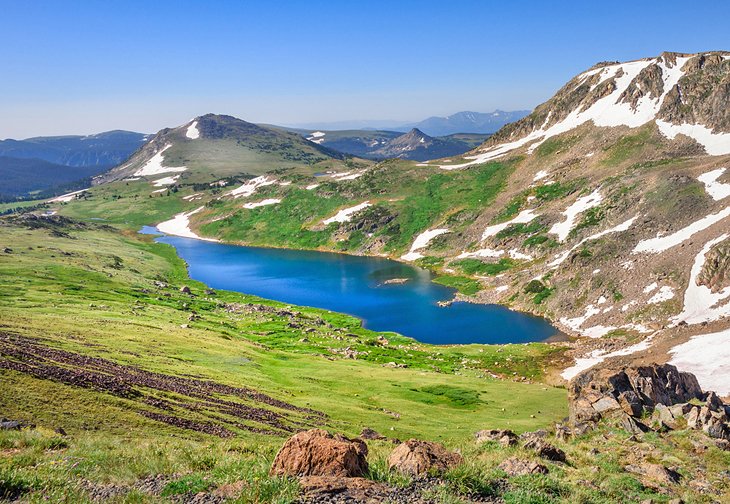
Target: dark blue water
[[355, 285]]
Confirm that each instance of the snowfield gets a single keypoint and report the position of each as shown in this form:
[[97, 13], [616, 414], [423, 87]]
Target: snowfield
[[662, 243], [422, 241], [154, 165], [523, 217], [700, 303], [248, 188], [716, 190], [346, 214], [192, 132], [180, 225], [706, 356], [598, 356], [266, 202], [620, 228], [65, 198], [165, 181], [562, 229], [715, 144]]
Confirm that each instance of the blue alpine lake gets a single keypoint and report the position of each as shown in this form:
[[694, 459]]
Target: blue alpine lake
[[385, 294]]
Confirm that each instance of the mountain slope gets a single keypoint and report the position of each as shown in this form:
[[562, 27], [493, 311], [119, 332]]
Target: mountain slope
[[101, 150], [594, 211], [23, 177], [221, 146]]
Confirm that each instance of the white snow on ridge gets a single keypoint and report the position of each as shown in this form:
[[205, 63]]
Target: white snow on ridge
[[154, 165], [562, 229], [256, 204], [249, 187], [717, 190], [422, 241], [606, 112], [662, 243], [348, 175], [540, 175], [346, 214], [523, 217], [700, 303], [180, 225], [707, 356], [715, 144], [193, 132]]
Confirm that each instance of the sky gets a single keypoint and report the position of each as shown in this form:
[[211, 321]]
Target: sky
[[80, 67]]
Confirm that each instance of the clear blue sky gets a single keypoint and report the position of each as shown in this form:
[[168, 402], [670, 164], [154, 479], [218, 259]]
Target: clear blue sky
[[79, 67]]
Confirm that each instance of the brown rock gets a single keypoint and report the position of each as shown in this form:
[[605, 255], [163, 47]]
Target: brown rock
[[316, 452], [185, 289], [631, 403], [419, 458], [519, 467], [502, 436], [368, 433]]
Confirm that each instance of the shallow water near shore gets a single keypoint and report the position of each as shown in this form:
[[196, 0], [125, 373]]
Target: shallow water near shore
[[370, 288]]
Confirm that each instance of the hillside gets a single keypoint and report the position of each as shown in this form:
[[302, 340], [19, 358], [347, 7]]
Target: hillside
[[102, 149], [27, 177], [602, 210], [45, 165]]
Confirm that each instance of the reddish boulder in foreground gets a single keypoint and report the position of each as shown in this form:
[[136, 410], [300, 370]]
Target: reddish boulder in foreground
[[419, 458], [316, 452]]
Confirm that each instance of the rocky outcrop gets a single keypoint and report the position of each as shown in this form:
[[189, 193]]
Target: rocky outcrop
[[600, 392], [419, 458], [316, 452]]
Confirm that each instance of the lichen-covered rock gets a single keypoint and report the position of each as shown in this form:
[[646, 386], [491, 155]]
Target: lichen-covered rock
[[419, 458], [316, 452]]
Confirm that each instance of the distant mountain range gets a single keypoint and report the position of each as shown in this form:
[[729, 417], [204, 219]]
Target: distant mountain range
[[379, 144], [461, 122], [43, 165]]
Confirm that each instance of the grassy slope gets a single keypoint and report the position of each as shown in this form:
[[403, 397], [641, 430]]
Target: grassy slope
[[84, 293]]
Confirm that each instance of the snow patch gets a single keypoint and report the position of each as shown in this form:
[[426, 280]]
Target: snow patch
[[624, 226], [700, 303], [523, 217], [154, 165], [256, 204], [664, 294], [346, 214], [717, 190], [193, 197], [192, 132], [540, 175], [707, 356], [165, 181], [180, 225], [422, 241], [311, 187], [598, 356], [248, 188], [662, 243], [562, 229], [715, 144], [65, 198]]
